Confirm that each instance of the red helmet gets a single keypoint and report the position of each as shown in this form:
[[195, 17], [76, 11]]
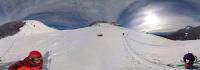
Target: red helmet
[[35, 54]]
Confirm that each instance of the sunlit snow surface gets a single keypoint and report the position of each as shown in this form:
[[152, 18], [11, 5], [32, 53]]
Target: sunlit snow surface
[[82, 49]]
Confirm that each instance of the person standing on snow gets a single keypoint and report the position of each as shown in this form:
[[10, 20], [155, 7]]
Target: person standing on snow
[[189, 59], [33, 62]]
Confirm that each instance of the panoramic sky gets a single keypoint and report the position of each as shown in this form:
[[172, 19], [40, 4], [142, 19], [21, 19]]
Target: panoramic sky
[[143, 15]]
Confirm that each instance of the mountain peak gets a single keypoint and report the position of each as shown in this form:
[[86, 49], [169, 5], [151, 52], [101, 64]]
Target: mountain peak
[[34, 27], [188, 27]]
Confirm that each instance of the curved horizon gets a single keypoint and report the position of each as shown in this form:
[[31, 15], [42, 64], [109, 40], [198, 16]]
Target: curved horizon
[[165, 15]]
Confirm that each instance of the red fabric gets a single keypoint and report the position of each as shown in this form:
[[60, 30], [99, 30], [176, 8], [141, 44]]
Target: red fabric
[[188, 66], [28, 68], [26, 64], [35, 54]]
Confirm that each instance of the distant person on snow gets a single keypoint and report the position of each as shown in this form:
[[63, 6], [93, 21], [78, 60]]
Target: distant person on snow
[[32, 62], [189, 59]]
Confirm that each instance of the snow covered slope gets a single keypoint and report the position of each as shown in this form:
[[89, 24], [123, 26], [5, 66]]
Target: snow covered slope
[[34, 27], [82, 49]]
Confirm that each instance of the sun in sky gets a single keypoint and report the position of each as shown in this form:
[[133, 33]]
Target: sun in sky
[[150, 21]]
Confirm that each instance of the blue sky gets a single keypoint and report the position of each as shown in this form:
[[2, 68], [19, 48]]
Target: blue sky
[[143, 15]]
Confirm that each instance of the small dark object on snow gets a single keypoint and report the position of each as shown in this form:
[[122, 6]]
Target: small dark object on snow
[[100, 35], [170, 65], [0, 60]]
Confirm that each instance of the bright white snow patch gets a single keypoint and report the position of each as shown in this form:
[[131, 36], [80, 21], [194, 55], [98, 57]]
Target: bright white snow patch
[[34, 27]]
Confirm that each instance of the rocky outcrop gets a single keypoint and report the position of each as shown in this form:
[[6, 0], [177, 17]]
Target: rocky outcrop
[[10, 28], [187, 33]]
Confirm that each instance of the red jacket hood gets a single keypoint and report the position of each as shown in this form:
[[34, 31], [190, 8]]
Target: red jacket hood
[[28, 62]]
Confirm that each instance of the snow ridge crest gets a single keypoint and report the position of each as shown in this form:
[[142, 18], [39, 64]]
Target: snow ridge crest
[[34, 27]]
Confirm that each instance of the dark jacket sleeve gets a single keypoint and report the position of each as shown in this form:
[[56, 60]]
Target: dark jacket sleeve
[[16, 65]]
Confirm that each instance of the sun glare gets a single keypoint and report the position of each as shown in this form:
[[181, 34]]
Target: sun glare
[[151, 21]]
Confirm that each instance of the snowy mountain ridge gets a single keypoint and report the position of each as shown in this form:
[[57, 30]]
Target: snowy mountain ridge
[[34, 27]]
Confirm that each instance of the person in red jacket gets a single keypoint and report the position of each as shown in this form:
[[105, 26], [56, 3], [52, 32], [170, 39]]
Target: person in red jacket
[[33, 62]]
